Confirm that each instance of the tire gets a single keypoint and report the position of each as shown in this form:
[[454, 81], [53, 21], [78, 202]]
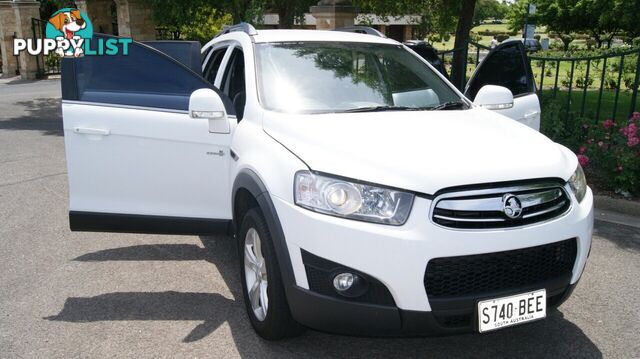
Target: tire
[[276, 321]]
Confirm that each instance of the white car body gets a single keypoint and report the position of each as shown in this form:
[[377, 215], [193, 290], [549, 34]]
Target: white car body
[[126, 162]]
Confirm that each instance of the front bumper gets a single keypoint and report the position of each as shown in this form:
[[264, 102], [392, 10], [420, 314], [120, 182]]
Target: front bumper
[[397, 257], [343, 317]]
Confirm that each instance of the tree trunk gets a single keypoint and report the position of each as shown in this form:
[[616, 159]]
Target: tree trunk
[[285, 16], [465, 23]]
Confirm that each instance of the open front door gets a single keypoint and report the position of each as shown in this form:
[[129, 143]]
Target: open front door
[[507, 66], [138, 160]]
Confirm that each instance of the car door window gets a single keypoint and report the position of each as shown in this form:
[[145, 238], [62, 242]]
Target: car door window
[[233, 84], [212, 67], [505, 66], [145, 77]]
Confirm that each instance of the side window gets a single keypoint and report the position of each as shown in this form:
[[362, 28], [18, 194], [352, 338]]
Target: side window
[[505, 66], [212, 67], [233, 84], [145, 77]]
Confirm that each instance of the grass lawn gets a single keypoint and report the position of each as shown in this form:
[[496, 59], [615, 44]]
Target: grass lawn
[[591, 102]]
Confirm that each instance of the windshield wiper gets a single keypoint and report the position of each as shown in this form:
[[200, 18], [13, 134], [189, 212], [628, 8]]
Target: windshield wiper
[[448, 105], [382, 108]]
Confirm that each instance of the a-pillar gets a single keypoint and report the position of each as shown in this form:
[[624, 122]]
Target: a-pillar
[[7, 29], [99, 12], [333, 14], [24, 11], [135, 20]]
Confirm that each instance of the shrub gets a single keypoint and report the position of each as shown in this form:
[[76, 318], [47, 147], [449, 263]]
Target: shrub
[[582, 81], [566, 40], [613, 150], [501, 37], [474, 37], [591, 43], [636, 41], [610, 151], [537, 37], [52, 60], [610, 83], [628, 82]]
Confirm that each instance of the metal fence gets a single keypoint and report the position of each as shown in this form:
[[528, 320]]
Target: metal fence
[[602, 86], [45, 65], [473, 52]]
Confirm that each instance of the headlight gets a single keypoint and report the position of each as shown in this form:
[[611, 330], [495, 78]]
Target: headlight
[[578, 183], [351, 200]]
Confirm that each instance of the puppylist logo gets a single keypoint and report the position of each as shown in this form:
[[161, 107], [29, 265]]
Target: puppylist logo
[[69, 33]]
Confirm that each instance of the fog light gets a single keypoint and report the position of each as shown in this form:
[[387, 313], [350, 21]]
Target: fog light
[[343, 281]]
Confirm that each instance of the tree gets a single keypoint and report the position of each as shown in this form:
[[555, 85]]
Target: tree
[[290, 11], [602, 19], [436, 16], [465, 22], [443, 16], [48, 7], [486, 9]]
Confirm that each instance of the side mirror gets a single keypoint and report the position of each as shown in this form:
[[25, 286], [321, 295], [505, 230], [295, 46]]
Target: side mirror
[[494, 97], [205, 103]]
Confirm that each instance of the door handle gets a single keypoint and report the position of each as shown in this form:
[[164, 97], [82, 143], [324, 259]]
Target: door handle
[[531, 114], [91, 131]]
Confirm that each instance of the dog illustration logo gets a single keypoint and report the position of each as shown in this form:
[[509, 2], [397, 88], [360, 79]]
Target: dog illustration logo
[[69, 27]]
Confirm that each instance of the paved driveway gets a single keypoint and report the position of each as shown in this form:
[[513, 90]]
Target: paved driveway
[[66, 294]]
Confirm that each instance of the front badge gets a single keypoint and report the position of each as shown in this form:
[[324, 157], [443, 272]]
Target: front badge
[[511, 206]]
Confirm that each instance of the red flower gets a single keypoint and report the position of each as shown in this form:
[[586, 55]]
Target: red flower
[[635, 116], [633, 141], [583, 160], [608, 124], [583, 149], [632, 130]]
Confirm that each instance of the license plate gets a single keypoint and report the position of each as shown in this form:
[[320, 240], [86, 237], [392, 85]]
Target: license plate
[[507, 311]]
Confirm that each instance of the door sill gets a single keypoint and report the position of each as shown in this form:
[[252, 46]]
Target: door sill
[[80, 221]]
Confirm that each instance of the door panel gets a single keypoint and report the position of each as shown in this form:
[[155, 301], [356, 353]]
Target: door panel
[[145, 162], [507, 66], [137, 162]]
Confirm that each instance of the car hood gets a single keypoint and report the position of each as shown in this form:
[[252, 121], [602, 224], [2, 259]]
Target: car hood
[[422, 151]]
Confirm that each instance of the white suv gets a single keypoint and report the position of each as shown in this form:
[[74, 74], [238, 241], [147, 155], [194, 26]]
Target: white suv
[[366, 193]]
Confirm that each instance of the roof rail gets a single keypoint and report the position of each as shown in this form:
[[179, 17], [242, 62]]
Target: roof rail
[[361, 30], [243, 26]]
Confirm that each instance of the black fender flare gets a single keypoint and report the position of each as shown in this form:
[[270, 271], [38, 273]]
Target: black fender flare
[[249, 180]]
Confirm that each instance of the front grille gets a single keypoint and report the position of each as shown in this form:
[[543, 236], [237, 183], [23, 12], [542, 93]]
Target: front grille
[[500, 271], [320, 273], [485, 208]]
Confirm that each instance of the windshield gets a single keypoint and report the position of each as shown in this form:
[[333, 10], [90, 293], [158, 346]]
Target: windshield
[[321, 77]]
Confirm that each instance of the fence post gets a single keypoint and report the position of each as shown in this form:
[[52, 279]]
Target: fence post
[[634, 97], [604, 71], [544, 62], [573, 63], [585, 84], [555, 85], [615, 102]]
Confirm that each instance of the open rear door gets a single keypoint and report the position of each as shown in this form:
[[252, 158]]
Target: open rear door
[[507, 66], [137, 160]]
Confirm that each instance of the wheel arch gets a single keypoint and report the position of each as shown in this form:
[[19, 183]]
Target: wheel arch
[[248, 192]]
